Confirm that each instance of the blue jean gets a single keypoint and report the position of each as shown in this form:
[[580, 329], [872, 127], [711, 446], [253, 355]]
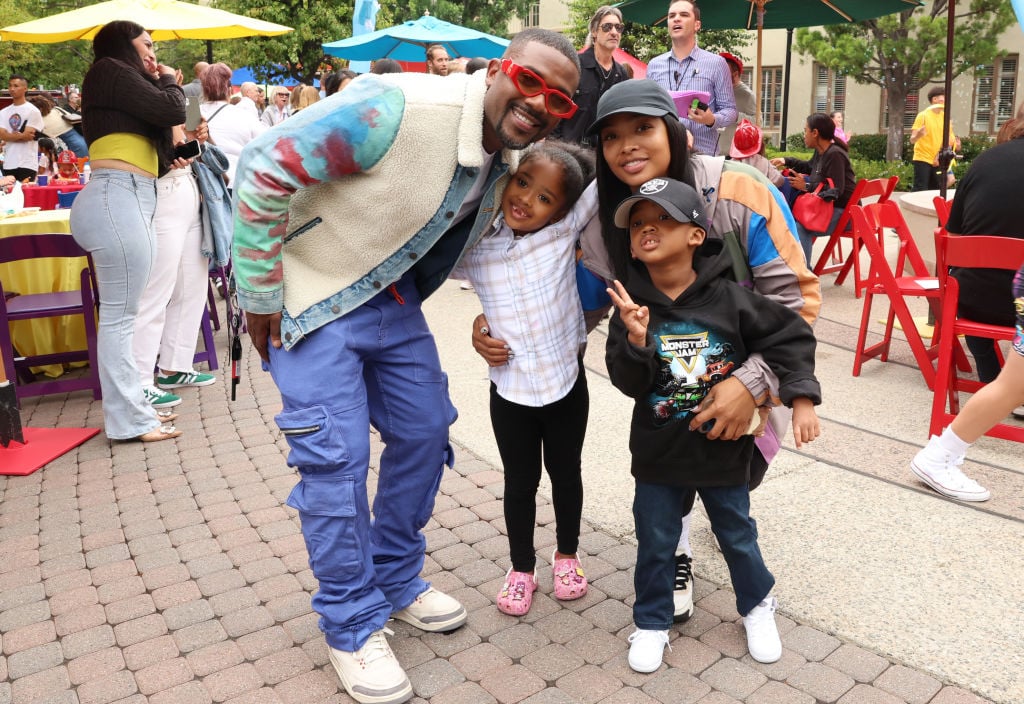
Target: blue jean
[[657, 512], [76, 143], [376, 366], [807, 237], [112, 218]]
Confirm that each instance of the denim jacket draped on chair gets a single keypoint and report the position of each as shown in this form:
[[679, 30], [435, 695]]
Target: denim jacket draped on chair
[[216, 206]]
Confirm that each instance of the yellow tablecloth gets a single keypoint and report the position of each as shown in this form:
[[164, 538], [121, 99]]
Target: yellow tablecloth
[[46, 335]]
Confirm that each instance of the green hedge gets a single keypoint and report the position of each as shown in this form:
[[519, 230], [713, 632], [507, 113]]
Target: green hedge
[[974, 145], [795, 141], [868, 168], [864, 168], [873, 146]]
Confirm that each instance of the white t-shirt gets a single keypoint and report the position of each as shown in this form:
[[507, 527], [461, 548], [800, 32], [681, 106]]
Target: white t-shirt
[[21, 155], [231, 129]]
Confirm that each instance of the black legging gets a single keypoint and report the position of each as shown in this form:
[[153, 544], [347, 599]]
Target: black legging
[[523, 433]]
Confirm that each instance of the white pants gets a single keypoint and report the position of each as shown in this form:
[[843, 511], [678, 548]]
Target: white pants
[[171, 309]]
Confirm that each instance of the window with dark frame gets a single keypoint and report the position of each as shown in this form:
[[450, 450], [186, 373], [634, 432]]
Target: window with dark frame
[[533, 16], [771, 95], [829, 90], [994, 94], [910, 110]]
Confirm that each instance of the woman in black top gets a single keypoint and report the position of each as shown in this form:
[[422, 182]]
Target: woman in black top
[[830, 161], [130, 104]]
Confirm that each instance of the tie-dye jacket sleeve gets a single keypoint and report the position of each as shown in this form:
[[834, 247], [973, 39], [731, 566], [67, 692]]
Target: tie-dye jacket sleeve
[[333, 139]]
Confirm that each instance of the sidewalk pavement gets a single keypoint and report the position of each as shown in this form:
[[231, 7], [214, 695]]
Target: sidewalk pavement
[[173, 572]]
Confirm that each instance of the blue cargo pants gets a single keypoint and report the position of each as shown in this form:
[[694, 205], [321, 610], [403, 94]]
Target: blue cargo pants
[[376, 366]]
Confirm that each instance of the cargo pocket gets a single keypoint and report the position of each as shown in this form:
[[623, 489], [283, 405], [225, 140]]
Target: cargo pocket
[[330, 524], [447, 459], [315, 440]]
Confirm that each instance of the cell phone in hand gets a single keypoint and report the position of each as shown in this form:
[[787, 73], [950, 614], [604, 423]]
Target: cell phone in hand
[[188, 150], [192, 116], [698, 105]]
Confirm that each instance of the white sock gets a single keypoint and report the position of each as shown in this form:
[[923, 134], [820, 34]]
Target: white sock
[[951, 443], [684, 538]]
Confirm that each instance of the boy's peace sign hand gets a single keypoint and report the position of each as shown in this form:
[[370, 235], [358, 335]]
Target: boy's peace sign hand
[[634, 317]]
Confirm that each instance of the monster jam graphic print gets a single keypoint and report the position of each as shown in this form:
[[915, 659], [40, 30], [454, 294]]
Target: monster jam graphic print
[[690, 363]]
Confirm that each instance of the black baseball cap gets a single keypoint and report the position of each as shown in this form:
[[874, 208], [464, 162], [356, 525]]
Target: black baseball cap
[[678, 199], [637, 95]]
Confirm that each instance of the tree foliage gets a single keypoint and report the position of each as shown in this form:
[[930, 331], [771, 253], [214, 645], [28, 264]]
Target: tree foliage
[[298, 54], [903, 52], [481, 15], [50, 65], [644, 41]]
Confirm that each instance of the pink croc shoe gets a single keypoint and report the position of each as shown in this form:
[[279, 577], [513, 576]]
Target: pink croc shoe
[[570, 582], [516, 595]]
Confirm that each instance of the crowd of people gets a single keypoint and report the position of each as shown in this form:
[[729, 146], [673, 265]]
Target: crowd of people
[[529, 176]]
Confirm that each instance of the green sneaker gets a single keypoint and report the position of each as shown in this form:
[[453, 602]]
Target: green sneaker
[[160, 399], [189, 378]]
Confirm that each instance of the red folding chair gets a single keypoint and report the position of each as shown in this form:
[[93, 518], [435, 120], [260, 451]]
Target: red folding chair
[[942, 207], [897, 283], [975, 251], [881, 188]]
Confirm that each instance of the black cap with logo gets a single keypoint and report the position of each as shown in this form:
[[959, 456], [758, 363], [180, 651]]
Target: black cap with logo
[[678, 199]]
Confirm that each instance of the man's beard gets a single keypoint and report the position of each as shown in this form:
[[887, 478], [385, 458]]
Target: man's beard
[[507, 139]]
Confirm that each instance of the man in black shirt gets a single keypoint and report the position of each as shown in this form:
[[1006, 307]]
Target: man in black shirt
[[600, 71]]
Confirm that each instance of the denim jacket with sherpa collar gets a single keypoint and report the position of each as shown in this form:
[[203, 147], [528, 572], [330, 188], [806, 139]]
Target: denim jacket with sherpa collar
[[338, 202]]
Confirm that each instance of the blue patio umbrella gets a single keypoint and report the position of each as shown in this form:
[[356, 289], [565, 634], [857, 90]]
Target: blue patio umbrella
[[409, 40], [241, 75], [244, 74]]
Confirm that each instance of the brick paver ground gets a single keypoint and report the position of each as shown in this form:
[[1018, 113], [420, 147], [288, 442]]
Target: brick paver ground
[[174, 573]]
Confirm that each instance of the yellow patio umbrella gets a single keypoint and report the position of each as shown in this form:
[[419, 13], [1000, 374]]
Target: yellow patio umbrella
[[165, 19]]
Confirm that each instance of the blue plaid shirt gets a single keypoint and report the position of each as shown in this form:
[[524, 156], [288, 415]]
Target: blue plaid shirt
[[702, 71]]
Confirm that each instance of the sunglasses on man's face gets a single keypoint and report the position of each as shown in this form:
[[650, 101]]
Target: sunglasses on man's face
[[609, 26], [529, 84]]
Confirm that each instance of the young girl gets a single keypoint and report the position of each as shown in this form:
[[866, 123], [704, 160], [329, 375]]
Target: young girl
[[524, 272]]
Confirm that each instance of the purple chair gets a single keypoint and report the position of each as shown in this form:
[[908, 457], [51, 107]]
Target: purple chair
[[24, 248], [209, 353], [217, 280]]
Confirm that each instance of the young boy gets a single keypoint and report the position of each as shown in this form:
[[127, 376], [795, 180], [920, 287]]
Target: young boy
[[681, 328]]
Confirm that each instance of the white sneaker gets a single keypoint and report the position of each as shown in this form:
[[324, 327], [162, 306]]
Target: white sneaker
[[682, 591], [762, 634], [941, 471], [646, 649], [372, 675], [433, 611]]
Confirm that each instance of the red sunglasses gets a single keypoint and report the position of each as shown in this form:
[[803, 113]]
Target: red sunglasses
[[529, 84]]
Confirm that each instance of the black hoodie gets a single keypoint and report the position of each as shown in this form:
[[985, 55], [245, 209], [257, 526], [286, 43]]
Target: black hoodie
[[693, 343]]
